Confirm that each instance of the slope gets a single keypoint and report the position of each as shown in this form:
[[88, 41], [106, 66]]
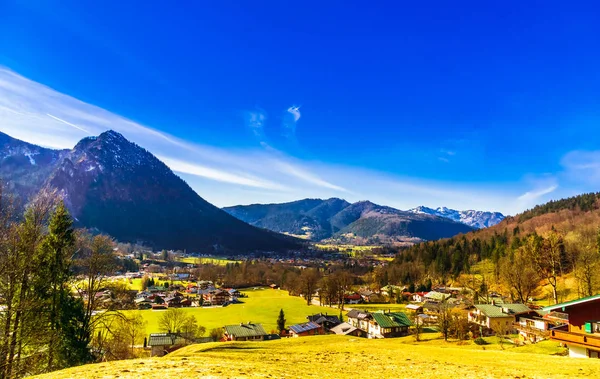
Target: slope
[[335, 356]]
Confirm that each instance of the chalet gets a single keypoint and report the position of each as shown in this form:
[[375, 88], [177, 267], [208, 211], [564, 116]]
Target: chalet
[[436, 297], [307, 329], [496, 316], [366, 295], [352, 298], [580, 326], [143, 303], [389, 325], [274, 286], [244, 332], [163, 343], [216, 297], [359, 319], [326, 321], [380, 324], [532, 326], [415, 308], [345, 329], [233, 293], [419, 297]]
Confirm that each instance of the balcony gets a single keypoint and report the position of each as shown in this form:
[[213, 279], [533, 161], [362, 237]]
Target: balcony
[[531, 330], [587, 340]]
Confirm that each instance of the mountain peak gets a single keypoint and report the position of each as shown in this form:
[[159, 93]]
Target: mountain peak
[[475, 219]]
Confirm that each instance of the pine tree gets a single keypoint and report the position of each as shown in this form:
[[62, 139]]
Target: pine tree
[[281, 321]]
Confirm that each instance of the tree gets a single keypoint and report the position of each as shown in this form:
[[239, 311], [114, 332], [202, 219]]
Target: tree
[[520, 275], [548, 254], [281, 321], [418, 326], [308, 283], [176, 321], [585, 248], [444, 319], [216, 334]]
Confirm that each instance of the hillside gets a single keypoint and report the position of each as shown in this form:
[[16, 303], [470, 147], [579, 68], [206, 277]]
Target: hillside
[[337, 356], [119, 188], [335, 219]]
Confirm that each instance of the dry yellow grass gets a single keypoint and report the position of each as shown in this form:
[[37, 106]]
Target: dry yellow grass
[[336, 357]]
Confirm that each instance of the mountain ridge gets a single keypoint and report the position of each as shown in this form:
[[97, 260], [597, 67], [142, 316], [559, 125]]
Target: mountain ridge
[[119, 188], [360, 222]]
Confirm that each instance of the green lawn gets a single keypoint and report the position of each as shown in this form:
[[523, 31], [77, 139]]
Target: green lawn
[[208, 260], [379, 307], [261, 306]]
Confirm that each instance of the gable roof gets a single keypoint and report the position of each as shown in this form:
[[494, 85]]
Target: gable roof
[[245, 330], [307, 326], [357, 313], [391, 320], [165, 339], [567, 304], [434, 295], [491, 310], [343, 329], [320, 318]]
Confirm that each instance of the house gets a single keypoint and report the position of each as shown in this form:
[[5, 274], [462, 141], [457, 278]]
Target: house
[[143, 303], [496, 317], [216, 297], [419, 297], [415, 308], [532, 326], [352, 298], [326, 321], [244, 332], [389, 325], [580, 326], [274, 286], [164, 343], [307, 329], [359, 319], [436, 297], [366, 295], [345, 329], [380, 324]]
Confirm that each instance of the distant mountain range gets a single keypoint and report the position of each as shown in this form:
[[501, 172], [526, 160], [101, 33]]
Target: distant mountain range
[[119, 188], [475, 219], [340, 221]]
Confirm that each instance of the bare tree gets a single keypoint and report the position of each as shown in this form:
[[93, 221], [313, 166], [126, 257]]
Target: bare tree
[[520, 275]]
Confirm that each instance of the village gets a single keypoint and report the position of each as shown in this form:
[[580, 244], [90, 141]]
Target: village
[[447, 310]]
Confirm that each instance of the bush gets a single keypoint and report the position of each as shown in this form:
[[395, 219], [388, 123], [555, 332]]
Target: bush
[[480, 341]]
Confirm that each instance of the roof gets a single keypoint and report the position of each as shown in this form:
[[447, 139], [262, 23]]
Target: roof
[[391, 320], [320, 318], [437, 295], [357, 313], [343, 329], [307, 326], [165, 339], [413, 307], [245, 330], [491, 310], [564, 305]]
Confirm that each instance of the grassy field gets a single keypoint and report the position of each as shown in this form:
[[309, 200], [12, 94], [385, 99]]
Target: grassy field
[[261, 306], [208, 260], [379, 307], [337, 356]]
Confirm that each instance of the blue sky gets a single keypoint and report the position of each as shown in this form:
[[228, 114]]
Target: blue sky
[[465, 105]]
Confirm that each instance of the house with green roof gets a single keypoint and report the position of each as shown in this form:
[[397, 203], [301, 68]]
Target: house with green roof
[[496, 317], [389, 325], [245, 332]]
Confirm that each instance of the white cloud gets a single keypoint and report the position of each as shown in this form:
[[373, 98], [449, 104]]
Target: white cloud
[[35, 113], [294, 111], [532, 196]]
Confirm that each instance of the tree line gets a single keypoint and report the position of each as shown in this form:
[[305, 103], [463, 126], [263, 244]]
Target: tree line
[[50, 279]]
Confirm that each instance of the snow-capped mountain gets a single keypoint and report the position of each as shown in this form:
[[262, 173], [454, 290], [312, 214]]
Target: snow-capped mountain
[[475, 219]]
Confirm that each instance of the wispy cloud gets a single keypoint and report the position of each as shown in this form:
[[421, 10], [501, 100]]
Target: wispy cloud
[[67, 123], [38, 114], [532, 196]]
